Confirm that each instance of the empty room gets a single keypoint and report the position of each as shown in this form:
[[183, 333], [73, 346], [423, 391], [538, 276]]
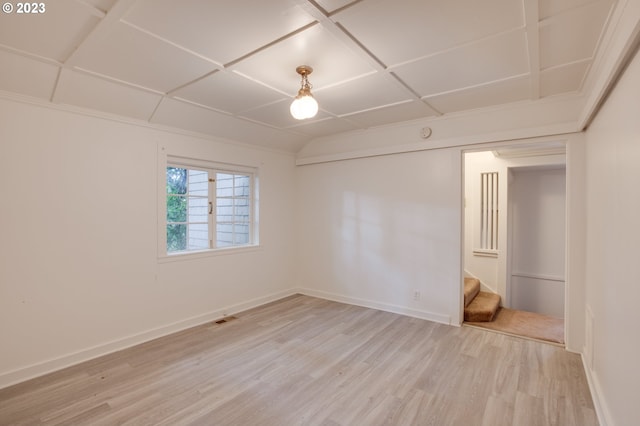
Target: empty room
[[319, 212]]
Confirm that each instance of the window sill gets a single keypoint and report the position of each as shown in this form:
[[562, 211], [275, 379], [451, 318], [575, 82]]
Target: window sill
[[177, 257], [485, 253]]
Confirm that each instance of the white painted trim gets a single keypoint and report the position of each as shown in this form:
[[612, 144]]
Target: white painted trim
[[166, 157], [599, 402], [558, 115], [556, 130], [201, 254], [614, 48], [20, 375], [387, 307]]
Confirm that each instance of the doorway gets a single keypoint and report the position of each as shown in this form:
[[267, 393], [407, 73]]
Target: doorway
[[525, 263], [536, 223]]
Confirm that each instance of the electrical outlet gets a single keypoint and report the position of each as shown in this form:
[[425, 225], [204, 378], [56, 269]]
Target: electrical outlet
[[416, 295]]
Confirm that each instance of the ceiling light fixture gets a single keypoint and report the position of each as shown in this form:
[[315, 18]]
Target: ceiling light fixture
[[304, 105]]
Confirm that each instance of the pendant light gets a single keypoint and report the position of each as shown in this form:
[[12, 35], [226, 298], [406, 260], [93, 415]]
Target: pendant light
[[304, 105]]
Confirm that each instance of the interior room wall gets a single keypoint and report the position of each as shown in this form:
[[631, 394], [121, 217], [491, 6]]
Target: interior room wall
[[383, 232], [79, 269], [537, 199], [576, 244], [612, 229]]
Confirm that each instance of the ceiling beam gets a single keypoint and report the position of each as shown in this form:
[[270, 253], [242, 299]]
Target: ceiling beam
[[531, 18], [325, 19], [106, 24]]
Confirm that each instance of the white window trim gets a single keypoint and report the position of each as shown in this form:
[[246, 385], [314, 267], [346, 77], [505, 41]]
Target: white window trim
[[165, 160]]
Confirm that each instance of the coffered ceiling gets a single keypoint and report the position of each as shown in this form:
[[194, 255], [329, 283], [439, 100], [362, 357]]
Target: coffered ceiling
[[226, 68]]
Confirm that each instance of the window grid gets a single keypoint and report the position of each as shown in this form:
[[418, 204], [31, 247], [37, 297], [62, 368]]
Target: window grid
[[207, 209]]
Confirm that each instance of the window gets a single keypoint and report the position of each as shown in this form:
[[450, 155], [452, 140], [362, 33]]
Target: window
[[489, 211], [207, 208]]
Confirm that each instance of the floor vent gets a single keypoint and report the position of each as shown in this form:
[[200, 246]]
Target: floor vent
[[225, 319]]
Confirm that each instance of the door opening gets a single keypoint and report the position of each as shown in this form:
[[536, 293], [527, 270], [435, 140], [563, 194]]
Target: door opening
[[526, 262]]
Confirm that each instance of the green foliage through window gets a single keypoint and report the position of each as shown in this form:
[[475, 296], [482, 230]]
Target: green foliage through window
[[176, 209]]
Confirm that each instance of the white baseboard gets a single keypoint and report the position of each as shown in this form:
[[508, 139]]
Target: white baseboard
[[396, 309], [25, 373], [599, 403]]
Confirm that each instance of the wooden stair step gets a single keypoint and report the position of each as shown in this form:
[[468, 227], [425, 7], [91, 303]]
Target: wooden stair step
[[471, 289], [482, 308]]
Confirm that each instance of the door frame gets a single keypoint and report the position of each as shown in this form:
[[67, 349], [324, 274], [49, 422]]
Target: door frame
[[543, 146]]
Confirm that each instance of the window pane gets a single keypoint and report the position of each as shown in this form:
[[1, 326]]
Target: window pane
[[241, 186], [198, 236], [176, 180], [176, 208], [224, 234], [176, 237], [224, 209], [198, 183], [224, 185], [198, 210], [241, 209], [240, 234]]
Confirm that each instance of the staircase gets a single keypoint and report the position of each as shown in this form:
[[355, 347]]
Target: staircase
[[479, 306]]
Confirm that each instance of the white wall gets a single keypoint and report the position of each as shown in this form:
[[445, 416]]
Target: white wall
[[79, 273], [613, 251], [372, 231], [537, 200], [486, 269], [576, 244]]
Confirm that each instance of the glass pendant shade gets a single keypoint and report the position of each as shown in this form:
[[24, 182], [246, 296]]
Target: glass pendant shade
[[304, 105]]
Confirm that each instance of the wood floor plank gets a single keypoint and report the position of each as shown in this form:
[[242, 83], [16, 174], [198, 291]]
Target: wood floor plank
[[309, 361]]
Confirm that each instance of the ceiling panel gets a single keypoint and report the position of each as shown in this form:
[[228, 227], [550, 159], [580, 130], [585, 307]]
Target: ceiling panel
[[278, 115], [486, 61], [84, 90], [222, 30], [228, 92], [175, 113], [332, 5], [186, 116], [53, 34], [332, 61], [328, 126], [501, 92], [572, 36], [372, 91], [412, 110], [549, 8], [402, 30], [27, 76], [133, 56], [563, 79], [102, 5]]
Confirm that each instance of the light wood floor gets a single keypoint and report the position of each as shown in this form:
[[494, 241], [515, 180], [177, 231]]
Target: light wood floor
[[309, 361]]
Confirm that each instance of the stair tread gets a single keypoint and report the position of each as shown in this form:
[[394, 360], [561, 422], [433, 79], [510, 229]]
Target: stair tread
[[471, 289], [482, 308]]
